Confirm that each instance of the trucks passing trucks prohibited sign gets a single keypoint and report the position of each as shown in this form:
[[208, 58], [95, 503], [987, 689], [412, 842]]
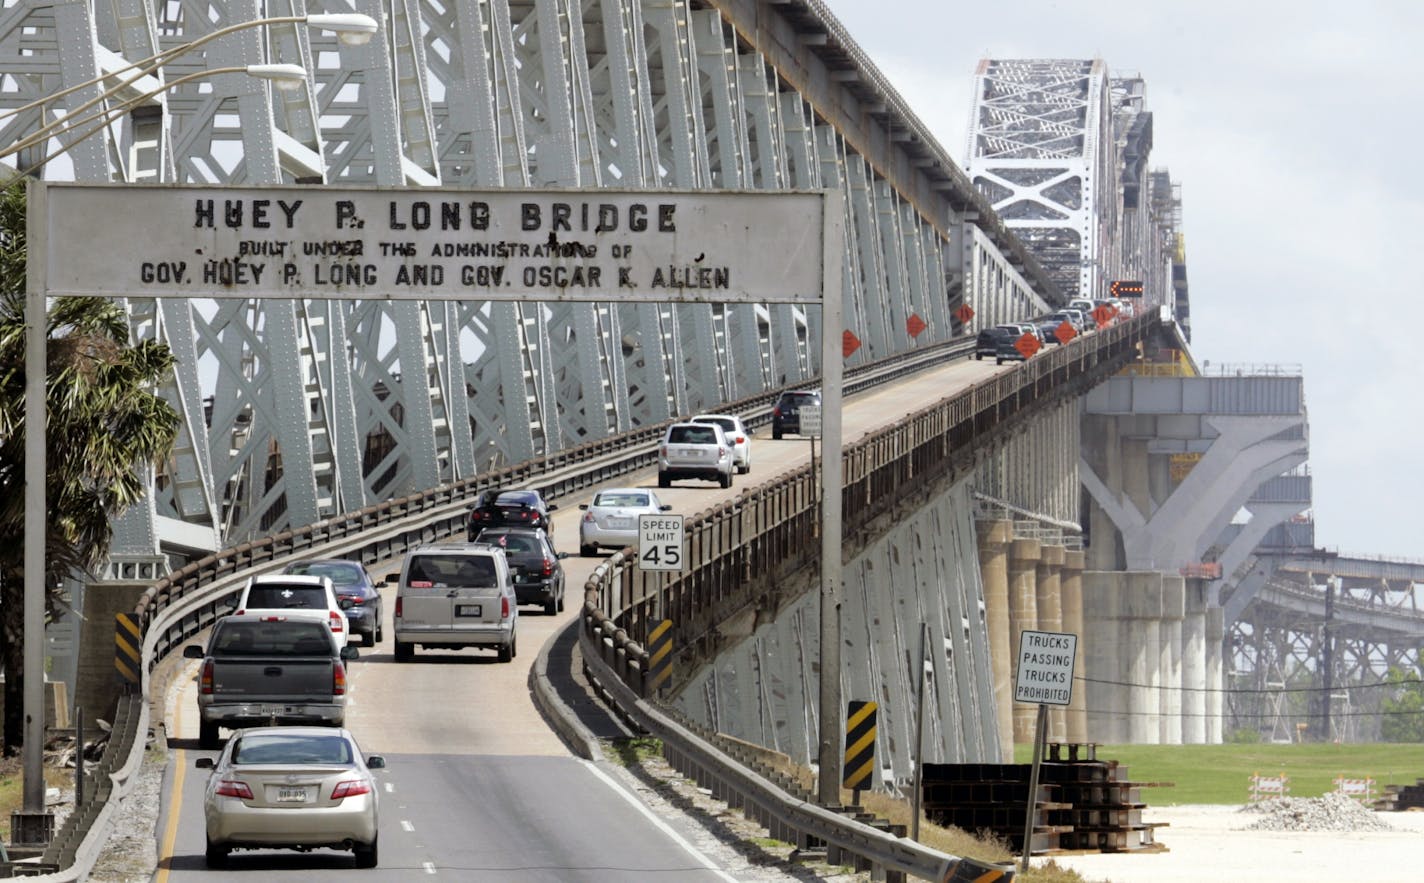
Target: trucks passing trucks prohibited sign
[[660, 542], [1045, 673]]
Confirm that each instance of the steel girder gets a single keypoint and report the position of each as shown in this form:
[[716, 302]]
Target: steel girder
[[295, 411], [1041, 148]]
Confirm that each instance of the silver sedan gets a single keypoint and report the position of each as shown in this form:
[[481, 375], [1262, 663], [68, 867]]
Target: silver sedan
[[612, 518], [297, 788]]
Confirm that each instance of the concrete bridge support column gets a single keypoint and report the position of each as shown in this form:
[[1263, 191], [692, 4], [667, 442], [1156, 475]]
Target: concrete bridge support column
[[1070, 582], [1023, 614], [1194, 663], [1215, 634], [1100, 643], [1140, 636], [1170, 668], [1050, 619], [994, 537]]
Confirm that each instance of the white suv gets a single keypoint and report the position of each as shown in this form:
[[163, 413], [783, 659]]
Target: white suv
[[294, 596], [695, 450], [738, 435]]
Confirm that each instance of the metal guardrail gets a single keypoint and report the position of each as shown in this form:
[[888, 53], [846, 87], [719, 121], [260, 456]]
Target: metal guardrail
[[190, 599]]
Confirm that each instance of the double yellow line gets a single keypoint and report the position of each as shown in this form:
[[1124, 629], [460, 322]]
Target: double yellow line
[[175, 803]]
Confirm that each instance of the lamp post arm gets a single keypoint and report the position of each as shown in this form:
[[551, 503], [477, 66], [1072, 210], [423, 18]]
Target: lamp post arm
[[107, 116], [154, 62]]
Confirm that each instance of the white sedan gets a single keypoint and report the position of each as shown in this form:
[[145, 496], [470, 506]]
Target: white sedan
[[612, 518], [737, 434], [291, 788]]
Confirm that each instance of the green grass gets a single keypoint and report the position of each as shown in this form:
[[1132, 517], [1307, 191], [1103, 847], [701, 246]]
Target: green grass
[[1222, 773]]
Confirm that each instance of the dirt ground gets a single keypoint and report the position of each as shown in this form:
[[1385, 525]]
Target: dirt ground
[[1210, 843]]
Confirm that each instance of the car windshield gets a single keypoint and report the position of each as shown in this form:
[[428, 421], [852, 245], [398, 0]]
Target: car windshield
[[452, 571], [620, 498], [693, 435], [284, 638], [291, 749], [279, 596], [797, 399], [727, 423], [339, 573]]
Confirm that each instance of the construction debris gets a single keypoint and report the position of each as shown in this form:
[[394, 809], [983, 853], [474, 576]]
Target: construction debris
[[1333, 812]]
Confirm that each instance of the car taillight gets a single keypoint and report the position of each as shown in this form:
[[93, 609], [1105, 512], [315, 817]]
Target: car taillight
[[588, 518], [350, 789], [338, 679], [356, 600], [662, 450], [399, 604], [741, 439], [504, 608], [274, 619], [776, 412], [336, 619], [233, 788], [548, 567], [205, 684], [720, 451], [240, 612]]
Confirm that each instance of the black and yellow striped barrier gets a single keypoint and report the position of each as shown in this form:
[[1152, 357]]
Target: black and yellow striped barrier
[[970, 871], [859, 745], [128, 641], [659, 655]]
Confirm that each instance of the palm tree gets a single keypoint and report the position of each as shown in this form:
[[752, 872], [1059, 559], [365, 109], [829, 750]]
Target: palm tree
[[104, 424]]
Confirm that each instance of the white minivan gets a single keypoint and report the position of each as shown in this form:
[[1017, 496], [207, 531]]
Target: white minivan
[[455, 595]]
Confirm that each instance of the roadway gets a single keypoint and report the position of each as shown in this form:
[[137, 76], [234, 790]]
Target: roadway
[[477, 784]]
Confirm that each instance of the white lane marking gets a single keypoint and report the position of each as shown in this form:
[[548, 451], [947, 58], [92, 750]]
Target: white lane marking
[[390, 789], [659, 823], [407, 825], [428, 866]]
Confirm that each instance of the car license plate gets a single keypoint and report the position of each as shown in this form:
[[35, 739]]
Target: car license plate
[[468, 610], [620, 522], [291, 795]]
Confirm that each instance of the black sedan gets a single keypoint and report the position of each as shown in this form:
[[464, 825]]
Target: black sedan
[[538, 575], [496, 508], [353, 583]]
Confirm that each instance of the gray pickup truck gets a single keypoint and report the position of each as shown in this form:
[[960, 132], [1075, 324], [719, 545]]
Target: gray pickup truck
[[262, 670]]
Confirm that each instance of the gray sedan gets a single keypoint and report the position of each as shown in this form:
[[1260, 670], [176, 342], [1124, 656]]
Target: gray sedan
[[612, 518], [296, 788]]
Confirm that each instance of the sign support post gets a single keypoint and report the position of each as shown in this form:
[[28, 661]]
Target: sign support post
[[832, 233]]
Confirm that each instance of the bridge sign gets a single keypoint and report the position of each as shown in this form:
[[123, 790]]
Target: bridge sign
[[1045, 673], [660, 542], [421, 244]]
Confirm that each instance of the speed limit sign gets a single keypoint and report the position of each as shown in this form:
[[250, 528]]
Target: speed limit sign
[[660, 542]]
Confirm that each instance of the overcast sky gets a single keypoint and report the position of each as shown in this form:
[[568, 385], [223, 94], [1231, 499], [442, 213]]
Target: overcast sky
[[1294, 131]]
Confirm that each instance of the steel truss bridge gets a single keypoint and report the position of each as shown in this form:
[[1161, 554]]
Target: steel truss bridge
[[299, 412]]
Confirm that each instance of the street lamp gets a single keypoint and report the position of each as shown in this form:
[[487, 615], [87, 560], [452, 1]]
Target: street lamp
[[32, 824], [284, 76], [353, 29]]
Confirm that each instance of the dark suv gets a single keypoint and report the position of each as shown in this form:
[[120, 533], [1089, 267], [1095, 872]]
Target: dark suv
[[786, 413], [987, 343], [496, 508], [538, 575]]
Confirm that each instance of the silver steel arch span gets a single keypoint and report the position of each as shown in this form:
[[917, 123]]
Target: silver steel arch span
[[297, 411]]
